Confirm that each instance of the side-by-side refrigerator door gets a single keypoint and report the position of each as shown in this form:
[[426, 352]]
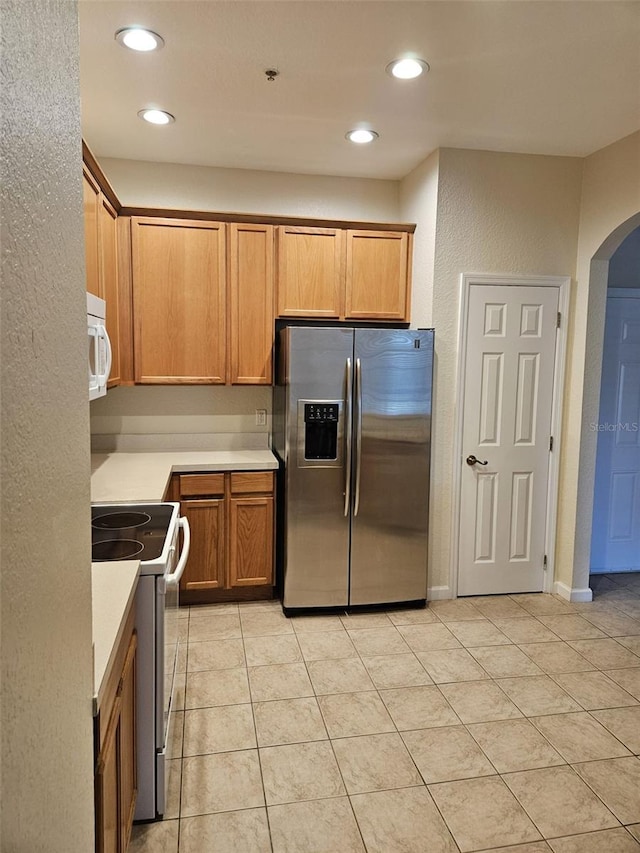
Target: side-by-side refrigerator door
[[392, 440], [319, 411]]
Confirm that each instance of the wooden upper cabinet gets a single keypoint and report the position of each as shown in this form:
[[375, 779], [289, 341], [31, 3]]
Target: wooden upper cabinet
[[310, 272], [377, 285], [91, 206], [251, 303], [179, 301], [108, 242]]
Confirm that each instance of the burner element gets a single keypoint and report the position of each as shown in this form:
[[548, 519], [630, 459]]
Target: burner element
[[115, 549], [120, 520]]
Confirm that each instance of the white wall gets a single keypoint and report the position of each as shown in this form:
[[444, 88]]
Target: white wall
[[47, 667], [496, 213]]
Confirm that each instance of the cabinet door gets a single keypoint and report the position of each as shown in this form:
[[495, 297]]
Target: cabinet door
[[91, 206], [251, 541], [108, 833], [108, 241], [251, 302], [310, 272], [377, 281], [127, 745], [205, 566], [179, 301]]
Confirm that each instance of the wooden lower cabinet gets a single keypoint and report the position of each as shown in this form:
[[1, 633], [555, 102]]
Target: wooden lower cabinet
[[115, 743], [231, 517]]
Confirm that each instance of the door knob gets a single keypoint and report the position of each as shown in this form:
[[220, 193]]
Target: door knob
[[471, 460]]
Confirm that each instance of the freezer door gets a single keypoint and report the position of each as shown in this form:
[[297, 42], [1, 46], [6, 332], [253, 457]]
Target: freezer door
[[318, 362], [392, 439]]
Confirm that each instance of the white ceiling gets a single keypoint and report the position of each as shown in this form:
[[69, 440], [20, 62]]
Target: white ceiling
[[548, 77]]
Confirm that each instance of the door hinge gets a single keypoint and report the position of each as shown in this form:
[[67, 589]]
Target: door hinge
[[550, 442], [544, 563], [559, 320]]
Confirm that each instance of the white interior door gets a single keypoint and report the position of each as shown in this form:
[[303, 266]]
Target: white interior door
[[508, 397], [615, 539]]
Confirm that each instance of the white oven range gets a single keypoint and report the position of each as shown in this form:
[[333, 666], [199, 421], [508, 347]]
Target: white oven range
[[149, 532]]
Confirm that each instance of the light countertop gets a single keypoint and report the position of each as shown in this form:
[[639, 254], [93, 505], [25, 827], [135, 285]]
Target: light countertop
[[113, 587], [119, 477]]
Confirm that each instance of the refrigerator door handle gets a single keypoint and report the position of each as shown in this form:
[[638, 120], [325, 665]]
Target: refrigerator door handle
[[356, 505], [348, 430]]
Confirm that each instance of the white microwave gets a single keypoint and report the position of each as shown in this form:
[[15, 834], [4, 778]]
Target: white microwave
[[99, 347]]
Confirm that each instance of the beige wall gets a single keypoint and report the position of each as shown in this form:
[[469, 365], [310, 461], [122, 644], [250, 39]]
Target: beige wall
[[47, 677], [610, 210], [496, 213]]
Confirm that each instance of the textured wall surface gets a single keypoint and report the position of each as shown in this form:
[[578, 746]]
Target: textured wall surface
[[47, 679], [139, 183]]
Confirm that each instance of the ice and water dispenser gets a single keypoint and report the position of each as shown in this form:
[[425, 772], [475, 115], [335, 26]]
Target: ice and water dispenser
[[319, 433]]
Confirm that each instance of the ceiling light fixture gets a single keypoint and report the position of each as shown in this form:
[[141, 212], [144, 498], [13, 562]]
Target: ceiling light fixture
[[157, 116], [362, 136], [407, 69], [137, 38]]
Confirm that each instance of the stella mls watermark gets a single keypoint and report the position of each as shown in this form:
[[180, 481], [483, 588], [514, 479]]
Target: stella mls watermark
[[629, 426]]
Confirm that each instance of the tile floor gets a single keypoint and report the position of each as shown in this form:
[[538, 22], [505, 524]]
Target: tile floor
[[506, 723]]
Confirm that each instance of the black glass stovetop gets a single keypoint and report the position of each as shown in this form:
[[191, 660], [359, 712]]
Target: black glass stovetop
[[129, 531]]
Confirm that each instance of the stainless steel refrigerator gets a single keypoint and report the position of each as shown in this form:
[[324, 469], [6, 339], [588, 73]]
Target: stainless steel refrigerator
[[352, 427]]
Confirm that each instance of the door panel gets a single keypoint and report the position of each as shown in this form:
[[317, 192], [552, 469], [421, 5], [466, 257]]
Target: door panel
[[393, 406], [509, 374], [205, 567]]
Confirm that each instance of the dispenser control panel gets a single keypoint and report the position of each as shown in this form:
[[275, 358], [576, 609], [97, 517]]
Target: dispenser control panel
[[321, 412], [319, 433]]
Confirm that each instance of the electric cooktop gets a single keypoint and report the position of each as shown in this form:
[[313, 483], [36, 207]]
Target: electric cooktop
[[129, 531]]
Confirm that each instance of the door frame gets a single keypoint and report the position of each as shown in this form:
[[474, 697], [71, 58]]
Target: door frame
[[563, 284]]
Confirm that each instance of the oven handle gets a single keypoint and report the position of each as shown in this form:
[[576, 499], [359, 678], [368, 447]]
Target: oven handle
[[174, 577]]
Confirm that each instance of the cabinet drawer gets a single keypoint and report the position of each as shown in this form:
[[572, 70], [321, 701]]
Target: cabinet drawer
[[251, 482], [192, 485]]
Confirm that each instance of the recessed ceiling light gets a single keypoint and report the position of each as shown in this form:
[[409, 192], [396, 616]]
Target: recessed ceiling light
[[137, 38], [407, 69], [361, 137], [156, 116]]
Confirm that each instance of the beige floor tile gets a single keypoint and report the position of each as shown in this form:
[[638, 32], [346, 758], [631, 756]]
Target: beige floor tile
[[179, 691], [279, 681], [514, 745], [542, 604], [479, 702], [609, 840], [221, 729], [559, 802], [605, 654], [176, 734], [529, 630], [594, 690], [504, 661], [316, 624], [556, 657], [262, 651], [214, 627], [498, 606], [300, 771], [631, 643], [264, 622], [318, 826], [539, 694], [418, 708], [173, 769], [447, 754], [218, 687], [578, 737], [635, 830], [413, 616], [201, 610], [405, 820], [331, 645], [348, 714], [478, 633], [451, 665], [572, 627], [246, 831], [353, 621], [375, 763], [215, 654], [628, 679], [533, 847], [630, 607], [161, 837], [181, 659], [482, 813], [613, 623], [339, 676], [424, 638], [288, 721], [396, 671], [221, 782], [617, 783], [183, 630], [624, 723], [183, 611], [455, 610], [378, 641]]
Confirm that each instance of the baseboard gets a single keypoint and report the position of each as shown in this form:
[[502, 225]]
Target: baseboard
[[438, 593], [572, 594]]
